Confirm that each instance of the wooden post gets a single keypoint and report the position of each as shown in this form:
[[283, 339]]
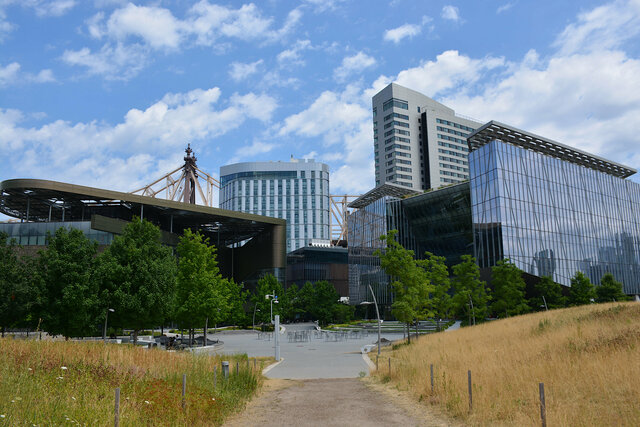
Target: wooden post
[[247, 363], [377, 357], [389, 367], [543, 406], [470, 392], [184, 392], [255, 363], [116, 420], [237, 368], [215, 376], [431, 368]]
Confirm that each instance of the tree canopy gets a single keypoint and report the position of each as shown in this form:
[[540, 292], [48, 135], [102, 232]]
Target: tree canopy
[[470, 299], [15, 298], [582, 291], [610, 289], [507, 290]]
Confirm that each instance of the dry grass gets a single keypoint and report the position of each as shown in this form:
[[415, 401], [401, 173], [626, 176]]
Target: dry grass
[[587, 357], [36, 390]]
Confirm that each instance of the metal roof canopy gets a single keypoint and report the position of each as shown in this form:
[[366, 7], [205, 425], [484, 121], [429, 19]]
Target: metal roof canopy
[[498, 131], [386, 189], [44, 198]]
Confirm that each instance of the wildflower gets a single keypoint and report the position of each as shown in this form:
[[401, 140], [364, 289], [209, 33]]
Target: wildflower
[[213, 398], [2, 415], [147, 402], [59, 378], [64, 368], [73, 398], [13, 401], [30, 369]]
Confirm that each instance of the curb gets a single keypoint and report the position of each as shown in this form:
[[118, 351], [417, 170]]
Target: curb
[[273, 365], [368, 361]]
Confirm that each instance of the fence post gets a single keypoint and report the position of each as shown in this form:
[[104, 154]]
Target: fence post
[[225, 370], [389, 366], [116, 420], [215, 376], [377, 357], [470, 392], [543, 405], [431, 368], [237, 368], [184, 391], [255, 362]]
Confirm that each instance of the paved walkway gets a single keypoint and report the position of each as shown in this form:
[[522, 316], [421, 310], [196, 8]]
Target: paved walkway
[[332, 402]]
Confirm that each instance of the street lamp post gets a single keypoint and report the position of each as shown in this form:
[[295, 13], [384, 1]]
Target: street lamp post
[[375, 302], [254, 315], [274, 299], [104, 331]]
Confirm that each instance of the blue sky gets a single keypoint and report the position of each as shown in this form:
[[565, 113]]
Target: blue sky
[[107, 93]]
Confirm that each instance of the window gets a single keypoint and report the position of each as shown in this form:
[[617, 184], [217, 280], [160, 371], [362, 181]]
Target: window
[[397, 138], [393, 102], [396, 123], [375, 112], [396, 115], [455, 125], [399, 131]]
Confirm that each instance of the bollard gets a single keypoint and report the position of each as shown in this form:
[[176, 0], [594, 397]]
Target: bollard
[[431, 378], [184, 391], [470, 395], [543, 406], [225, 370], [116, 421]]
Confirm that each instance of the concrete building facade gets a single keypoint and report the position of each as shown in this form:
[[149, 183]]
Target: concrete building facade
[[418, 142], [297, 191]]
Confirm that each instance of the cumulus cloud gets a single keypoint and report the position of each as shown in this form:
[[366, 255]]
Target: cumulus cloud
[[11, 75], [451, 13], [113, 61], [324, 5], [130, 153], [251, 151], [504, 7], [352, 65], [240, 71], [396, 35], [292, 56]]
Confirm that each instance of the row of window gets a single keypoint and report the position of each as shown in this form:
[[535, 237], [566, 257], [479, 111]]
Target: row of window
[[452, 153], [455, 125], [398, 168], [397, 154], [451, 138], [396, 123], [449, 181], [457, 147], [455, 174], [397, 138], [455, 168], [452, 160], [394, 102], [396, 115], [455, 132], [397, 146], [400, 131]]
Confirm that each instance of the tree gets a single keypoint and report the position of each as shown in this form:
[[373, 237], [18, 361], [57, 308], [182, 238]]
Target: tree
[[325, 301], [15, 298], [267, 285], [304, 302], [237, 297], [65, 276], [411, 286], [610, 289], [290, 310], [138, 276], [438, 275], [507, 290], [552, 293], [470, 298], [582, 290], [202, 296]]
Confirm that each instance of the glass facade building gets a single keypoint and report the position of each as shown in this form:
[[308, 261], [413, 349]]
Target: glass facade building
[[35, 233], [551, 216], [297, 191]]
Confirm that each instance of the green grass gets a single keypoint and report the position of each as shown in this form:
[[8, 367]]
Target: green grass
[[55, 383]]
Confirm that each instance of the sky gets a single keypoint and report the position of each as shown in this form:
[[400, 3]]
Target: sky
[[108, 93]]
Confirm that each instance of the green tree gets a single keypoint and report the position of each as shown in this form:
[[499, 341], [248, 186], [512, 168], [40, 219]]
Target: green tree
[[470, 298], [65, 276], [438, 275], [582, 291], [325, 301], [237, 298], [290, 310], [138, 276], [507, 290], [610, 289], [15, 298], [267, 285], [552, 293], [202, 296], [305, 300], [411, 286]]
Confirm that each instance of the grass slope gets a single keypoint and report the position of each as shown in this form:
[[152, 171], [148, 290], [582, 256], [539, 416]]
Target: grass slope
[[588, 358], [57, 383]]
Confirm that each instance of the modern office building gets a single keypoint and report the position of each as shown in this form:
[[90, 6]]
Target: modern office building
[[418, 142], [317, 263], [248, 246], [551, 209], [297, 191]]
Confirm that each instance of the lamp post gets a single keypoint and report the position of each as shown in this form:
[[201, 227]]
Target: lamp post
[[104, 331], [375, 302], [254, 315], [274, 299]]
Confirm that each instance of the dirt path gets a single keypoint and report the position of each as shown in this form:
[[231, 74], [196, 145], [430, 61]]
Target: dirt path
[[332, 402]]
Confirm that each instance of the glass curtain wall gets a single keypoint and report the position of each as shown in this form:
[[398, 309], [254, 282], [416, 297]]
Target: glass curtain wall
[[35, 233], [552, 217]]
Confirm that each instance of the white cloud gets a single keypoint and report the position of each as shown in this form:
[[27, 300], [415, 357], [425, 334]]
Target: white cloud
[[397, 34], [605, 27], [11, 75], [324, 5], [353, 64], [292, 55], [240, 71], [114, 62], [128, 154], [52, 8], [451, 13], [156, 26], [504, 7], [251, 151]]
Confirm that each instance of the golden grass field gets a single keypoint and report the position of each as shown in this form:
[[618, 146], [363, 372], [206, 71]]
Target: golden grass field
[[588, 358], [35, 389]]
